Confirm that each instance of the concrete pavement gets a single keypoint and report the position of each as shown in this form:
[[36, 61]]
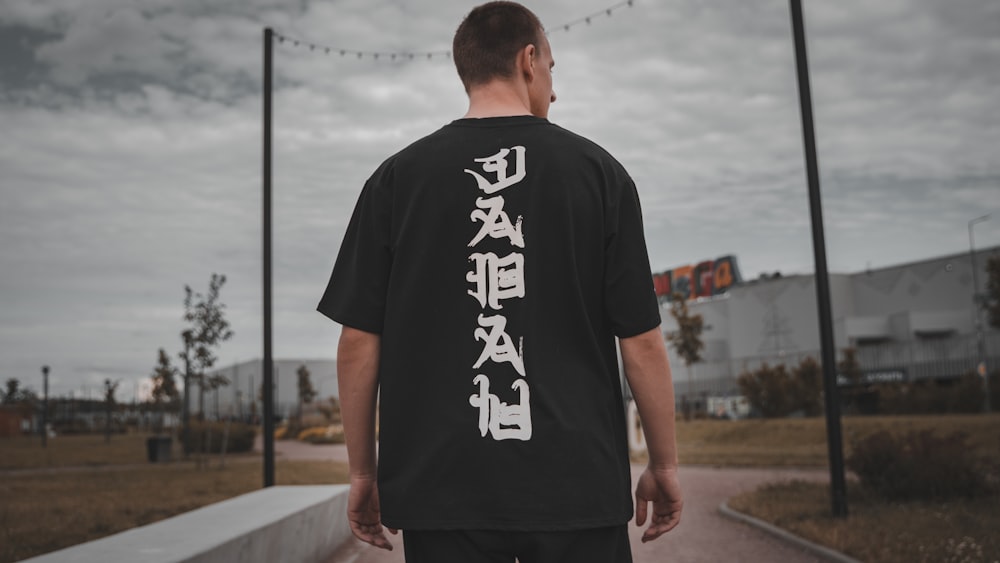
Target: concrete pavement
[[704, 535]]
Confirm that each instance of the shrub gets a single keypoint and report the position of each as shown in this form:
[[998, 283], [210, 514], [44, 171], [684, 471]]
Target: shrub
[[918, 466], [333, 434], [240, 437], [774, 392], [808, 387], [769, 390], [962, 395], [287, 430]]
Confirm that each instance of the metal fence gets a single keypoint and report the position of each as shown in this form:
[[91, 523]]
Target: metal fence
[[923, 358]]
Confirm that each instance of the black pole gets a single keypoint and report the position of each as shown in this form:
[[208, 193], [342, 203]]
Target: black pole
[[186, 405], [831, 394], [45, 406], [268, 360]]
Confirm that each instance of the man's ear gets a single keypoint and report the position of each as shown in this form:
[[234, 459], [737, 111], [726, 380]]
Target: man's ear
[[526, 61]]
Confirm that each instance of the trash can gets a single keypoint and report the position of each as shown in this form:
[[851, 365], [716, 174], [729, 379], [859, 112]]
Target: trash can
[[158, 448]]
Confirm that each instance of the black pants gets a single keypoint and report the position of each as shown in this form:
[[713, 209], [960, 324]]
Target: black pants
[[599, 545]]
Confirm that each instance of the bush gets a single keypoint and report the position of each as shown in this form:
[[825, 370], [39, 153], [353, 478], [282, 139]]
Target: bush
[[768, 389], [962, 395], [333, 434], [808, 387], [241, 437], [918, 466], [774, 392]]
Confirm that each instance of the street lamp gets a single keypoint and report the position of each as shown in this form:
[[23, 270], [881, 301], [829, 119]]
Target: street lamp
[[977, 310], [45, 406]]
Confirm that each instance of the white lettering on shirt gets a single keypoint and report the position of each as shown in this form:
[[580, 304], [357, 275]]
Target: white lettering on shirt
[[495, 279]]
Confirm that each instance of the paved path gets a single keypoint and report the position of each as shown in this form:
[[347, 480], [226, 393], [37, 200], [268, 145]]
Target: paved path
[[703, 535], [294, 449]]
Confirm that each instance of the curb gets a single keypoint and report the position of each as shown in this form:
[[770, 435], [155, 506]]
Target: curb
[[820, 551]]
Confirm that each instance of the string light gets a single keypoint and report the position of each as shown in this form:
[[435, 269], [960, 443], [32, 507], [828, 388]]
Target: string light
[[429, 55], [605, 13]]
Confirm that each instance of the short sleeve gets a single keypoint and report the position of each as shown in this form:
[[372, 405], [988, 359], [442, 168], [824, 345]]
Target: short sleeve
[[630, 301], [356, 293]]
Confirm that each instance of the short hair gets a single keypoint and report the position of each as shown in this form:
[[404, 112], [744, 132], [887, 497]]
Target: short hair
[[489, 38]]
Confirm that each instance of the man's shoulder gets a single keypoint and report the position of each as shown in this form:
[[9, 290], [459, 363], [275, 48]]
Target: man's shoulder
[[584, 143], [458, 135]]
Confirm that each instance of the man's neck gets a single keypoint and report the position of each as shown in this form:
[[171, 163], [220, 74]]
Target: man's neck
[[497, 99]]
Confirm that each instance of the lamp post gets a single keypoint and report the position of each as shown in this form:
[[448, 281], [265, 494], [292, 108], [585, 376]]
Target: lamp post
[[977, 310], [45, 406], [834, 436]]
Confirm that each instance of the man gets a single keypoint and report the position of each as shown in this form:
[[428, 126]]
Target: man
[[484, 276]]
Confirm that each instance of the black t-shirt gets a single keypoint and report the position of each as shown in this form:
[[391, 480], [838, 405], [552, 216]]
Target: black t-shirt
[[498, 258]]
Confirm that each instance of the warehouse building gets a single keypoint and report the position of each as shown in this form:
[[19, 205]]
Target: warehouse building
[[906, 322]]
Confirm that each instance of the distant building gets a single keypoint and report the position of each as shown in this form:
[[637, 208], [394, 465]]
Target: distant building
[[242, 396], [15, 420], [907, 322]]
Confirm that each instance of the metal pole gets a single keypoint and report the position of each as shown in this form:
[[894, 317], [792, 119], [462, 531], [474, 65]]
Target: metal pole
[[831, 394], [978, 310], [268, 360], [45, 406], [186, 405], [236, 387]]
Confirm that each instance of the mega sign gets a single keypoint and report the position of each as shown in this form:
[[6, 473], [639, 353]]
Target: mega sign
[[703, 279]]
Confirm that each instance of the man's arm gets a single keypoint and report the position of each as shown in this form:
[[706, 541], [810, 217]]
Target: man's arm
[[647, 369], [357, 380]]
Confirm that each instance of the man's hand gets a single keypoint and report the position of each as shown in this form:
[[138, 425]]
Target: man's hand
[[364, 515], [660, 487]]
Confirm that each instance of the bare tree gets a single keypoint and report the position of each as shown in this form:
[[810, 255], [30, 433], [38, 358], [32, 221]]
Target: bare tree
[[687, 339], [306, 390], [165, 392], [13, 394], [110, 387], [207, 330]]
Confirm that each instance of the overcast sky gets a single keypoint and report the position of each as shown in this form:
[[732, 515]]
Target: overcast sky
[[130, 159]]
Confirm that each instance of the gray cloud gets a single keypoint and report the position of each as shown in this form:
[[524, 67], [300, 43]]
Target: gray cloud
[[130, 164]]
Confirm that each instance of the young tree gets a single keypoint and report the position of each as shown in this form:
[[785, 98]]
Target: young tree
[[306, 390], [213, 383], [991, 301], [207, 330], [687, 339], [165, 392], [12, 393], [110, 387]]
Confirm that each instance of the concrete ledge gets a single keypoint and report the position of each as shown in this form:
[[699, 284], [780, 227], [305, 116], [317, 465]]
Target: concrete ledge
[[300, 524], [818, 550]]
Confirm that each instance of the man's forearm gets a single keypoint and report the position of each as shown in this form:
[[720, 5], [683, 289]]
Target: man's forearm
[[357, 380], [647, 369]]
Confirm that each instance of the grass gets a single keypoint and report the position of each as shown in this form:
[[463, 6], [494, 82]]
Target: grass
[[43, 512], [25, 452], [881, 532], [802, 442], [876, 530]]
